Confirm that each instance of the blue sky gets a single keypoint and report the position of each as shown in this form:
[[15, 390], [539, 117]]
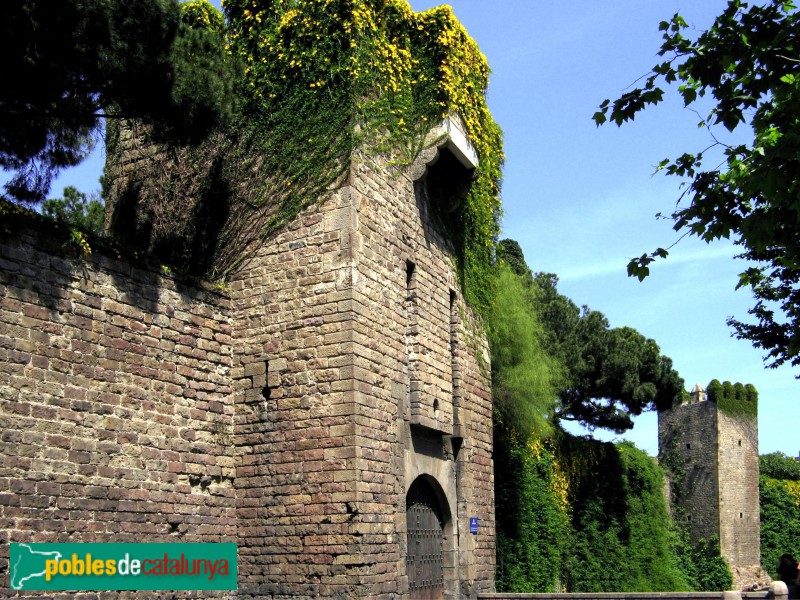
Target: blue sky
[[581, 200]]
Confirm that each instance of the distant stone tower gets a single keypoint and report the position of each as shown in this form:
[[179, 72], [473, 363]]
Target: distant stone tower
[[709, 448]]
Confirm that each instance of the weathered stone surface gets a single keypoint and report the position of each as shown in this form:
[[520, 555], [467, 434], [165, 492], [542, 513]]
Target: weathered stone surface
[[713, 459], [290, 414], [108, 434]]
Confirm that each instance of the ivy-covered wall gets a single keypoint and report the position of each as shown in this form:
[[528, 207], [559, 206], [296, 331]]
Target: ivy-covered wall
[[580, 515], [319, 81], [533, 517], [734, 399]]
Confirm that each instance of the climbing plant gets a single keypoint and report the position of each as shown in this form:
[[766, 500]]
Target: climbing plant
[[734, 399], [326, 77], [324, 83], [703, 564], [533, 529], [570, 507], [619, 517]]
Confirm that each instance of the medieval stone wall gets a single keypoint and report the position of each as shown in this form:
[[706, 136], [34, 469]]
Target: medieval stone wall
[[300, 525], [711, 460], [426, 368], [291, 414], [739, 510], [115, 402], [360, 373], [688, 443]]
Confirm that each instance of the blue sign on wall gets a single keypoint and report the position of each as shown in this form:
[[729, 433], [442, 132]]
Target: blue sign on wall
[[473, 524]]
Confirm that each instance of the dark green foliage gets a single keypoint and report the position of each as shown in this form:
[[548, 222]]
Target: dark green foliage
[[532, 527], [612, 373], [777, 465], [510, 252], [76, 210], [609, 374], [615, 534], [621, 373], [620, 518], [651, 536], [747, 61], [734, 399], [779, 487], [780, 521], [596, 545], [705, 569], [203, 77], [714, 390], [594, 472], [66, 62]]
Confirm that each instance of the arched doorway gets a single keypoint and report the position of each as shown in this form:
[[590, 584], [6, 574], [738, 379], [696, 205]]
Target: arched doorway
[[425, 554]]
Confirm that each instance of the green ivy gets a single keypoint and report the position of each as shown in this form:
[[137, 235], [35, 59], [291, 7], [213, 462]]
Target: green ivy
[[620, 518], [588, 516], [322, 86], [703, 564], [734, 400], [326, 78], [533, 527]]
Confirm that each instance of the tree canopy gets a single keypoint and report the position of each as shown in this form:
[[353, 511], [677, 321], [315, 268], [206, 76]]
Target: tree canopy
[[747, 64], [76, 210], [67, 64], [779, 495], [779, 466], [609, 374]]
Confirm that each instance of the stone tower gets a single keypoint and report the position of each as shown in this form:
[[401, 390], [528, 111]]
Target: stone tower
[[365, 415], [328, 407], [711, 458], [329, 411]]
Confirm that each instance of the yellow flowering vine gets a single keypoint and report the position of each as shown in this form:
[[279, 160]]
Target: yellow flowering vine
[[373, 75]]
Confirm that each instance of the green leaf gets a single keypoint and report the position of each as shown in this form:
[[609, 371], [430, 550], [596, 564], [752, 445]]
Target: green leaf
[[599, 117], [662, 165], [745, 65], [636, 269], [689, 96]]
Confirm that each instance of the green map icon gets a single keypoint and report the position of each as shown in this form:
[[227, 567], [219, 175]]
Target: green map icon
[[26, 565], [123, 566]]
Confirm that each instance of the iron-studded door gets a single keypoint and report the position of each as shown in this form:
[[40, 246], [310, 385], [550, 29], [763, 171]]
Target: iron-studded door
[[425, 559]]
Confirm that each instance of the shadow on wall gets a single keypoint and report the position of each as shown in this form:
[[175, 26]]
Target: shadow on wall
[[180, 229]]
